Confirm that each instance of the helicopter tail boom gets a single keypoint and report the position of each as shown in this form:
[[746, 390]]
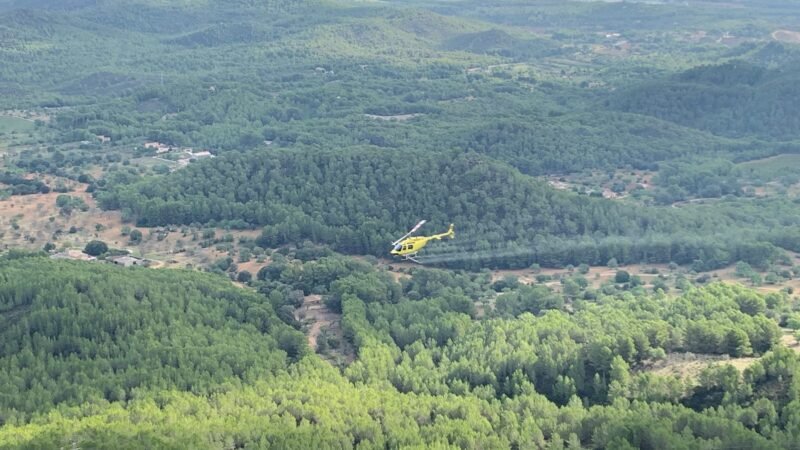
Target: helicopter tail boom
[[450, 233]]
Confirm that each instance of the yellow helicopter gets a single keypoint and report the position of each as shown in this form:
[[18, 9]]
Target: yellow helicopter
[[407, 247]]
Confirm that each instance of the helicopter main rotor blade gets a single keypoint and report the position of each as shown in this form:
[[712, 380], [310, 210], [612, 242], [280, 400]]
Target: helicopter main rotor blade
[[416, 227]]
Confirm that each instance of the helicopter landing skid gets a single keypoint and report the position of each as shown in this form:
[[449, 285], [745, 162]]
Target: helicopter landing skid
[[412, 258]]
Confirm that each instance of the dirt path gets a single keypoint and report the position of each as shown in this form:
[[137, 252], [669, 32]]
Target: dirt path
[[321, 320], [315, 312], [694, 200]]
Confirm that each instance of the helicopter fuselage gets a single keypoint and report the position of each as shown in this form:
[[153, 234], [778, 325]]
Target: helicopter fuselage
[[411, 245]]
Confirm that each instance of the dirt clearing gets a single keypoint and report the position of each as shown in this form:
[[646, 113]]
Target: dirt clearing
[[322, 323], [790, 37], [689, 365], [31, 221]]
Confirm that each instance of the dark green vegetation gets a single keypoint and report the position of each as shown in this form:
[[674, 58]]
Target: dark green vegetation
[[336, 126], [22, 186], [379, 116], [95, 248], [733, 99], [357, 201], [97, 356], [74, 332]]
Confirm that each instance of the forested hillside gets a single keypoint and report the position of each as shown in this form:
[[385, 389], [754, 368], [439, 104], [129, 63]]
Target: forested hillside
[[74, 333], [733, 99], [331, 197], [428, 373], [360, 201], [213, 76], [598, 140], [344, 78], [614, 171]]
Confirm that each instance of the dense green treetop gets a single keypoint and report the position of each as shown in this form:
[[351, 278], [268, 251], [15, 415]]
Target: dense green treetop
[[732, 99], [73, 333], [188, 360], [360, 201]]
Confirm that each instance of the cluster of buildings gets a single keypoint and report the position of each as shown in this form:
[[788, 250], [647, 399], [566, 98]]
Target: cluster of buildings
[[120, 260], [181, 156], [161, 149]]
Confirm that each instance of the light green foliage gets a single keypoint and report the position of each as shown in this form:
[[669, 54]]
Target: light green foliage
[[744, 270], [424, 363], [67, 204], [75, 333]]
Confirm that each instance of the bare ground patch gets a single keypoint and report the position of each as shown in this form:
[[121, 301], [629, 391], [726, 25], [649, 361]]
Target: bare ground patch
[[26, 115], [253, 266], [789, 340], [791, 37], [395, 117], [617, 185], [31, 221], [689, 365], [322, 323], [596, 276]]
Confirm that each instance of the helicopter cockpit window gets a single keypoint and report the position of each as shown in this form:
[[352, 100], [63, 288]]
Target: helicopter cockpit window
[[411, 246]]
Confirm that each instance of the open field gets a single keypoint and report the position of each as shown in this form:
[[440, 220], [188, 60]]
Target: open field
[[31, 116], [9, 124], [773, 167], [774, 176], [30, 221], [12, 130]]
